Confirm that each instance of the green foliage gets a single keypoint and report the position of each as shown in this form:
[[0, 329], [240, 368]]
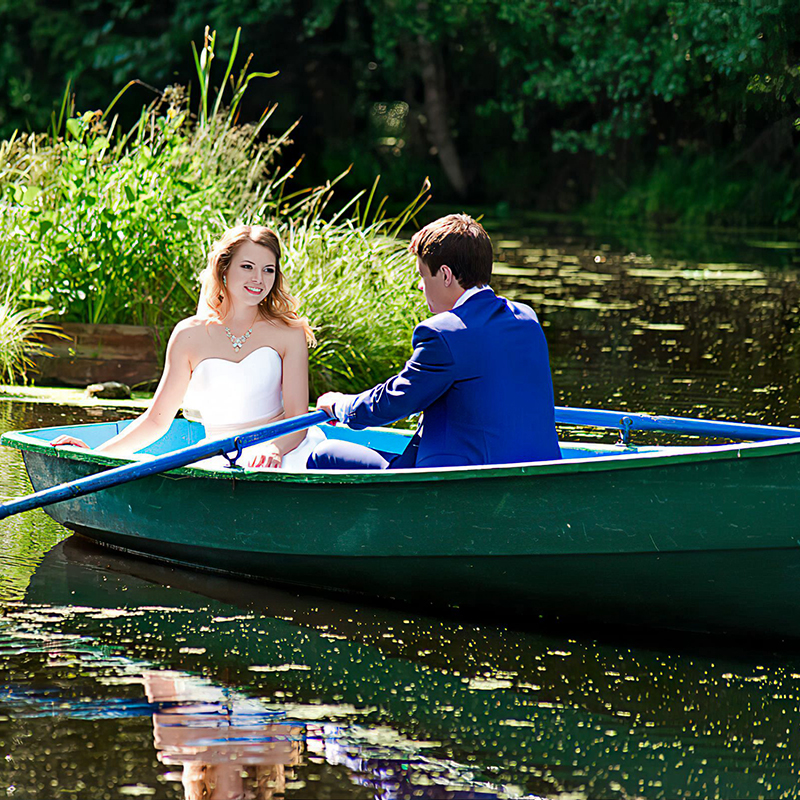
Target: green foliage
[[107, 225], [21, 330], [357, 285], [603, 83], [702, 189], [119, 223]]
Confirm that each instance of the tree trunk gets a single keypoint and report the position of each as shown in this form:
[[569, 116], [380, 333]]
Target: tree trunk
[[435, 100]]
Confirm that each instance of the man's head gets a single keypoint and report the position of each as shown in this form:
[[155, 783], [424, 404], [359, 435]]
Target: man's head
[[453, 253]]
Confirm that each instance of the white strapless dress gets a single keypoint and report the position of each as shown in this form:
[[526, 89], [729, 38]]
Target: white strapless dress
[[230, 397]]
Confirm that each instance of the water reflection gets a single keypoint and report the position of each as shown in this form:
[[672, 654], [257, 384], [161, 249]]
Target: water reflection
[[632, 331], [26, 537], [228, 746], [225, 744], [231, 746], [358, 702]]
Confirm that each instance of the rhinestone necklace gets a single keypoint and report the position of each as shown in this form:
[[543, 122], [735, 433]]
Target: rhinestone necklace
[[239, 341]]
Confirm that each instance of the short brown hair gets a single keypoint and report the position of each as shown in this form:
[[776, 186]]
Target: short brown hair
[[458, 242]]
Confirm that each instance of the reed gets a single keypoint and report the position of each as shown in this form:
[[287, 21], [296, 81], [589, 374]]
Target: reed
[[357, 285]]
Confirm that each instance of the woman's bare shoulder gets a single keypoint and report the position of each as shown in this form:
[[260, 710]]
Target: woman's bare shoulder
[[194, 324], [190, 331], [289, 336]]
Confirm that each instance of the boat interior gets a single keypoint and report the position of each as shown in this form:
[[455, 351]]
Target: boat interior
[[183, 433]]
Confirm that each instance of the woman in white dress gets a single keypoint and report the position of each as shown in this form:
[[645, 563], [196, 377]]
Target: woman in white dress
[[239, 363]]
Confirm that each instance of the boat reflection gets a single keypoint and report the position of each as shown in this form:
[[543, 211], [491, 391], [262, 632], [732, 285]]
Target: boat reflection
[[398, 702]]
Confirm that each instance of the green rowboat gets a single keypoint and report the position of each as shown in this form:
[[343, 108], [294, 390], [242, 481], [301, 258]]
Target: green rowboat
[[696, 537]]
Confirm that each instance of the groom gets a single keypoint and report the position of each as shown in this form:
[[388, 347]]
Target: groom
[[479, 370]]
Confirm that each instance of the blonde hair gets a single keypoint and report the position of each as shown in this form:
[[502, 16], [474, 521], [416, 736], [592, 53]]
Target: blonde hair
[[277, 305]]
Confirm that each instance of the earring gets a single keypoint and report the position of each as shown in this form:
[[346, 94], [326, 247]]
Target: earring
[[224, 281]]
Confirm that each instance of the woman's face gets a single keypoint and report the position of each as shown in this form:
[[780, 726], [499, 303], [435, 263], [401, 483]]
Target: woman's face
[[251, 273]]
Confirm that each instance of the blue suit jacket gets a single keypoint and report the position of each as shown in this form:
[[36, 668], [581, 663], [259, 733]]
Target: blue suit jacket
[[481, 375]]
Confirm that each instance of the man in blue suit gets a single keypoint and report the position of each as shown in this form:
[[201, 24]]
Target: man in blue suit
[[479, 371]]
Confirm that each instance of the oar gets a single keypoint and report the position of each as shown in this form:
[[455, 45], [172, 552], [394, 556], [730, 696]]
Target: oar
[[173, 460], [626, 422]]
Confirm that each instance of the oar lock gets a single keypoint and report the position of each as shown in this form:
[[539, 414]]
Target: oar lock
[[625, 427], [234, 457]]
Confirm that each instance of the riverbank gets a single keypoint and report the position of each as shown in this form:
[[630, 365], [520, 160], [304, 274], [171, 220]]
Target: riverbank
[[64, 396]]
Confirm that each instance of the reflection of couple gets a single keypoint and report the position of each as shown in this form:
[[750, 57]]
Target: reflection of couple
[[479, 370], [232, 747], [225, 754]]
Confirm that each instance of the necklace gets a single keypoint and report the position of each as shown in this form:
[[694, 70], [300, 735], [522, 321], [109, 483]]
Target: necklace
[[239, 341]]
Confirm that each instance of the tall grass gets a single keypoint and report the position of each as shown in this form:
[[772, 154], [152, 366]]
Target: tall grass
[[21, 330], [357, 284], [112, 226]]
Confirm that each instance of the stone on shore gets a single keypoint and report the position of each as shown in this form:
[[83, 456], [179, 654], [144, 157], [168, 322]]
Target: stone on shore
[[110, 390]]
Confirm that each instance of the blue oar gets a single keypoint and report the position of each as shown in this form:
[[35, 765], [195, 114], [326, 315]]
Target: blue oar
[[173, 460], [625, 422]]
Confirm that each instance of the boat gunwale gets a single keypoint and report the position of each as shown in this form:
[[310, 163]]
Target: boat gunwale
[[647, 459]]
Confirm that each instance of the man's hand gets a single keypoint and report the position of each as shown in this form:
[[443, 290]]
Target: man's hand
[[60, 441], [270, 459], [325, 402]]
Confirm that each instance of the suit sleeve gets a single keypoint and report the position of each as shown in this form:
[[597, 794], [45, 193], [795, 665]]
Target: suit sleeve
[[426, 376]]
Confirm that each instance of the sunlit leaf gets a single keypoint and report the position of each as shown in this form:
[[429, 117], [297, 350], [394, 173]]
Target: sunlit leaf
[[74, 127]]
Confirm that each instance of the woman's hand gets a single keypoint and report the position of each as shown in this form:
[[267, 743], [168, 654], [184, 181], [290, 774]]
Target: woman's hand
[[271, 459], [60, 441]]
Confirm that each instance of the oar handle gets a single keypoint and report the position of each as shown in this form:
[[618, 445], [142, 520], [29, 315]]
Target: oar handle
[[625, 421], [173, 460]]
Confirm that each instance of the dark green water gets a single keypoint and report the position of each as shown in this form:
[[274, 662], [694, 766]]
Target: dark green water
[[121, 678]]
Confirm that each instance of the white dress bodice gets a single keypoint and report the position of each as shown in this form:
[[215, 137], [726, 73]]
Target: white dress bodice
[[230, 397]]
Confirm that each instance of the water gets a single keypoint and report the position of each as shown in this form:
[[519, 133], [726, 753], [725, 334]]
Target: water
[[631, 331], [121, 678]]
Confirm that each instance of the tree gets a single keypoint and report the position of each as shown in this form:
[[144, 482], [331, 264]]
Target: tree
[[496, 99]]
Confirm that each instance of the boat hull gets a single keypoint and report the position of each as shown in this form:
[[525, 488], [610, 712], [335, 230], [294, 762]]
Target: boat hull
[[751, 592], [702, 542]]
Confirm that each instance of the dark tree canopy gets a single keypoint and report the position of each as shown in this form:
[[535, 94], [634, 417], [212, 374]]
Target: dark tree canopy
[[540, 103]]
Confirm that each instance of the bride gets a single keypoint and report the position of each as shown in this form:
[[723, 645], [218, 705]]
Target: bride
[[239, 363]]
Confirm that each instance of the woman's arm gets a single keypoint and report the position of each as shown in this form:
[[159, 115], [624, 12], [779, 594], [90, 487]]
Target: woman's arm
[[295, 397], [153, 424]]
